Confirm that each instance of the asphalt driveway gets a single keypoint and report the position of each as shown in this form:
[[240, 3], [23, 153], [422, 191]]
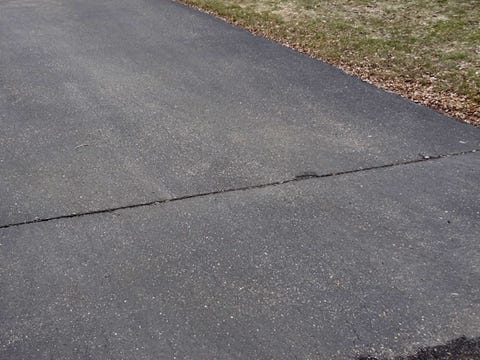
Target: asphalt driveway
[[174, 187]]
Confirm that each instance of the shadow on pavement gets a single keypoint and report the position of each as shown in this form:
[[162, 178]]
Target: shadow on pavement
[[458, 349]]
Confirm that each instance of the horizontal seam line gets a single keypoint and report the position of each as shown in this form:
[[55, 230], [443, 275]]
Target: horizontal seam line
[[244, 188]]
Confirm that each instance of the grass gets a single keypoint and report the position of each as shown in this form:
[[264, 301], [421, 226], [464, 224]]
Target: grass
[[426, 50]]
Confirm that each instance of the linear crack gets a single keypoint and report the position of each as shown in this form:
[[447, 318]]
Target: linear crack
[[302, 177]]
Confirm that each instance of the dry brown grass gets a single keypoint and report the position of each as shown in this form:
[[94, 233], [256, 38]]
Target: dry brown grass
[[425, 50]]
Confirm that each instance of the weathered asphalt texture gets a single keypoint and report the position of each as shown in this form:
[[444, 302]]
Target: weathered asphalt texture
[[172, 186], [113, 103], [373, 262]]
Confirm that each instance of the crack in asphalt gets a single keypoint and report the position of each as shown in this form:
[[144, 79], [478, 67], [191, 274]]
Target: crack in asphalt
[[301, 177]]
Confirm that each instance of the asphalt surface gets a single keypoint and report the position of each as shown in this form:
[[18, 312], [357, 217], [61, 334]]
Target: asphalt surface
[[174, 187]]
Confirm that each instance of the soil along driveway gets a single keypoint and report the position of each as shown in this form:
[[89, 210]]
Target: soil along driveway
[[174, 186]]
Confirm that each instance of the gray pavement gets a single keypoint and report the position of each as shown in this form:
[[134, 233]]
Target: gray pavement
[[202, 132]]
